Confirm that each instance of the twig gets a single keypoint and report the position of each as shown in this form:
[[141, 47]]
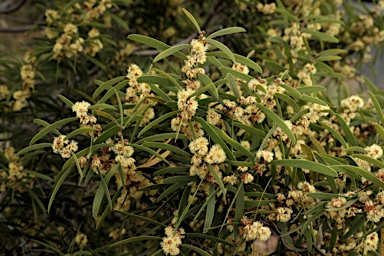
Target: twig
[[17, 29], [10, 6], [15, 19]]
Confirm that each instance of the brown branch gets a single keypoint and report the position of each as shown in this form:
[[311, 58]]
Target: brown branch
[[17, 29], [15, 19], [10, 6]]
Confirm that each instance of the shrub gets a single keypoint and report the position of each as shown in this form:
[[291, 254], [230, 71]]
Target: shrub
[[203, 151]]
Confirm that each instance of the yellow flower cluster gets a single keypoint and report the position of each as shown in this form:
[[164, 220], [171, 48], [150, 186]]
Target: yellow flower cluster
[[253, 230], [172, 241], [14, 177]]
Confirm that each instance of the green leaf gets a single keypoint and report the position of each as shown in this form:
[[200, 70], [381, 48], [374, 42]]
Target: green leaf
[[171, 51], [162, 137], [175, 179], [370, 85], [102, 106], [210, 213], [240, 204], [377, 107], [322, 36], [294, 93], [335, 134], [210, 198], [250, 129], [210, 87], [95, 61], [135, 239], [150, 151], [215, 61], [257, 203], [288, 100], [118, 20], [318, 146], [107, 85], [166, 146], [36, 199], [192, 19], [235, 144], [323, 196], [112, 90], [380, 130], [348, 134], [160, 92], [208, 237], [344, 206], [196, 249], [33, 147], [279, 122], [81, 131], [61, 178], [311, 89], [208, 82], [356, 149], [98, 200], [65, 100], [141, 218], [232, 85], [278, 40], [227, 31], [217, 178], [106, 115], [107, 134], [154, 43], [288, 15], [305, 164], [157, 121], [222, 47], [172, 170], [171, 189], [38, 175], [238, 58], [355, 226], [348, 169], [170, 78], [237, 74], [369, 159], [49, 247], [50, 128], [215, 137], [313, 100]]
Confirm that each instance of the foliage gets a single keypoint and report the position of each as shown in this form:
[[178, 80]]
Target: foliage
[[200, 149]]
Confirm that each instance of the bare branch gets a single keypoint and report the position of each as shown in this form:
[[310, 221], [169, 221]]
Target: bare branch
[[9, 6], [16, 19], [17, 29]]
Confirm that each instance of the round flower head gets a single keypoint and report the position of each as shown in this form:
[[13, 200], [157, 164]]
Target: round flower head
[[199, 146], [265, 156], [374, 151], [81, 108], [216, 155]]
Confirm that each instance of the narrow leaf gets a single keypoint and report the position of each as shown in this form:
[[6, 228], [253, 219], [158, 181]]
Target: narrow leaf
[[171, 51], [305, 164], [192, 19], [50, 128]]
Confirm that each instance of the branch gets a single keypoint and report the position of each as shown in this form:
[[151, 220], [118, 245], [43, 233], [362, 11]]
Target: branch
[[11, 6], [17, 29], [15, 19]]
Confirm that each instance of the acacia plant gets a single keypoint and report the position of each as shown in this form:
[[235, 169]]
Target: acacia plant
[[198, 149], [199, 153]]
